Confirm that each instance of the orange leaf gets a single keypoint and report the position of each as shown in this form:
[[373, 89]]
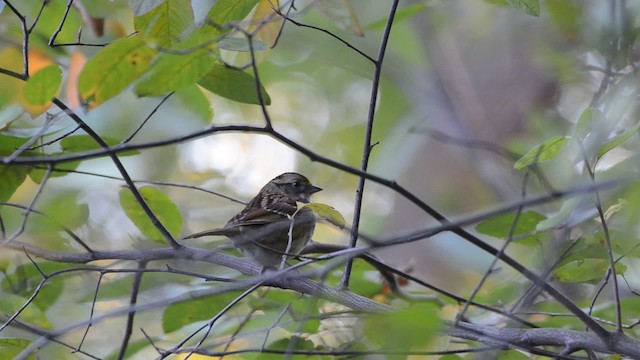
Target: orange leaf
[[75, 68]]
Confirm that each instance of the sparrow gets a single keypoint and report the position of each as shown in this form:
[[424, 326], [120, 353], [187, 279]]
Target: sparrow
[[261, 231]]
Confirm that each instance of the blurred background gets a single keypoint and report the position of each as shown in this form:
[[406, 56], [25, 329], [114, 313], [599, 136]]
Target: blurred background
[[461, 81]]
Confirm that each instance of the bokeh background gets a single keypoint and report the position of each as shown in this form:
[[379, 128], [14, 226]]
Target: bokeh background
[[456, 72]]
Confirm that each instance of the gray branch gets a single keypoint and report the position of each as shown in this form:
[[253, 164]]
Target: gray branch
[[576, 340], [291, 280]]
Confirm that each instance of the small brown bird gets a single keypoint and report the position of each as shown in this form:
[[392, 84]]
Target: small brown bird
[[261, 229]]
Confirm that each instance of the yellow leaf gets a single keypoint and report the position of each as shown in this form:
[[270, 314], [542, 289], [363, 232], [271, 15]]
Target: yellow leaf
[[327, 212]]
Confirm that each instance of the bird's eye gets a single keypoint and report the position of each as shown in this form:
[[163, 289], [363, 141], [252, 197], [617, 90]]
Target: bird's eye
[[296, 184]]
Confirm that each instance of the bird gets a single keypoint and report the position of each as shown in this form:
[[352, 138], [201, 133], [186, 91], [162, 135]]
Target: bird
[[261, 231]]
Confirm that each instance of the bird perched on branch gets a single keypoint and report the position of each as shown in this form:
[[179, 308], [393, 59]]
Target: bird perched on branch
[[271, 225]]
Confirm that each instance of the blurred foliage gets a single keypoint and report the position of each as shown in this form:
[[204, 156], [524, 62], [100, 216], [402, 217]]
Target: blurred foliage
[[534, 97]]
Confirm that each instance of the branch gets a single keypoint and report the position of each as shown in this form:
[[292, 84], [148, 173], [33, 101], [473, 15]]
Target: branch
[[572, 339], [292, 281], [366, 151]]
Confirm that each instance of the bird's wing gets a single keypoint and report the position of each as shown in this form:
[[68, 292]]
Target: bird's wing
[[211, 232], [237, 228]]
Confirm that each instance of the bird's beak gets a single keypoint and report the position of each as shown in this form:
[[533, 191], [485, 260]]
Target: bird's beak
[[305, 197]]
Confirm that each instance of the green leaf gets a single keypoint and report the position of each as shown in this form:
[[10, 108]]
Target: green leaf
[[500, 226], [567, 212], [165, 210], [172, 72], [182, 313], [11, 347], [530, 7], [132, 348], [9, 144], [119, 288], [141, 7], [305, 309], [43, 85], [586, 270], [401, 14], [165, 23], [364, 279], [26, 278], [512, 355], [413, 326], [618, 140], [327, 212], [234, 85], [192, 98], [225, 11], [113, 69], [283, 345], [12, 177], [342, 15], [82, 143], [589, 119], [502, 293], [10, 304], [37, 174], [240, 44], [566, 16], [63, 208], [543, 152]]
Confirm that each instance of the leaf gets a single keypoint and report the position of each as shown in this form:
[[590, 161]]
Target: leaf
[[586, 270], [43, 86], [267, 26], [543, 152], [165, 210], [113, 69], [570, 212], [304, 312], [327, 212], [192, 98], [500, 226], [240, 44], [119, 288], [141, 7], [413, 326], [9, 144], [132, 348], [589, 119], [226, 11], [179, 314], [9, 114], [529, 7], [233, 84], [401, 14], [284, 344], [24, 280], [618, 140], [11, 347], [342, 15], [172, 72], [10, 304], [362, 282], [502, 293], [512, 355], [37, 174], [165, 23], [566, 16], [12, 177], [82, 143], [63, 208]]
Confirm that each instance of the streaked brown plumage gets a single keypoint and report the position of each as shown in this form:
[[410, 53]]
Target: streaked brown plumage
[[261, 229]]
